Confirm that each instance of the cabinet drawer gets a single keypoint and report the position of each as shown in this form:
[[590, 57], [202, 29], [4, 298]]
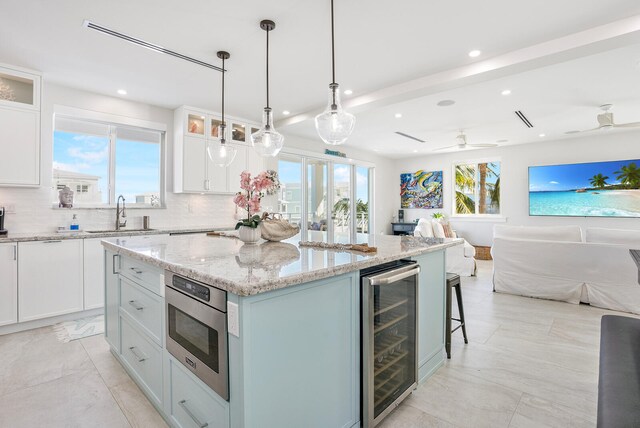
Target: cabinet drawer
[[145, 275], [144, 307], [191, 404], [144, 359]]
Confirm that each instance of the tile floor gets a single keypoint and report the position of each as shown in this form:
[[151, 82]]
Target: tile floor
[[529, 363]]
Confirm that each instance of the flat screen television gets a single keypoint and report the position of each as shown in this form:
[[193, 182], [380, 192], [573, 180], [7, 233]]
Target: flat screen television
[[595, 189]]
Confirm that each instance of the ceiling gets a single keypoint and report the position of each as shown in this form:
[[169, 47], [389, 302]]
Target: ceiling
[[381, 49]]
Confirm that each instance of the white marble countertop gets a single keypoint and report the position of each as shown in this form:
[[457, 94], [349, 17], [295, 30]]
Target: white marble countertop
[[50, 236], [245, 270]]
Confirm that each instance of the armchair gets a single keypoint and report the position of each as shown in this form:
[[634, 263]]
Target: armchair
[[459, 259]]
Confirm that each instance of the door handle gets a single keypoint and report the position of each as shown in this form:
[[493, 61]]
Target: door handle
[[15, 252], [394, 278], [183, 404], [136, 306], [135, 354]]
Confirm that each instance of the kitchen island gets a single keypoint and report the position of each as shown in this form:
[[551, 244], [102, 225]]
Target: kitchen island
[[293, 316]]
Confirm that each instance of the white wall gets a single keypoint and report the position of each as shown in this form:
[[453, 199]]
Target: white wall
[[598, 146], [33, 207]]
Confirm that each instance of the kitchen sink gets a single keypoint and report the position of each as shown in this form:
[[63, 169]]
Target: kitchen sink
[[119, 231]]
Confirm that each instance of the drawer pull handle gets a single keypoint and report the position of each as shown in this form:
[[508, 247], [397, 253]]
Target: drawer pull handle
[[115, 264], [136, 270], [183, 404], [135, 354], [136, 306]]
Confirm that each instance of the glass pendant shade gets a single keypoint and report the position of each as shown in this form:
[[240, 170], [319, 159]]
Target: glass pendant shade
[[335, 125], [219, 153], [267, 141]]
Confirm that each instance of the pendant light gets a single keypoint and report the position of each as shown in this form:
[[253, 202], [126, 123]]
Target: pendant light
[[267, 141], [334, 125], [218, 151]]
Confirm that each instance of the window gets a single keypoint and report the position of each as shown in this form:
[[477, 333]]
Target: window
[[477, 188], [327, 192], [99, 161]]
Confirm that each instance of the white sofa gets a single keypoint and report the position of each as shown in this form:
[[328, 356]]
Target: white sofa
[[558, 263], [459, 259]]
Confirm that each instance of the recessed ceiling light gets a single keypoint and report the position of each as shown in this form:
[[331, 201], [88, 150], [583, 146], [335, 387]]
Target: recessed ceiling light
[[286, 112], [348, 92], [201, 117], [398, 115], [506, 92], [542, 135], [502, 141], [474, 53], [446, 103], [122, 91], [415, 151]]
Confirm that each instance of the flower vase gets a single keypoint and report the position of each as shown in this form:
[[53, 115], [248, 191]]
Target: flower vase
[[249, 235]]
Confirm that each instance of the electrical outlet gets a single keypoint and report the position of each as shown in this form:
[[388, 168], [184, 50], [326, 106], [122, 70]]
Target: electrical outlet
[[233, 319]]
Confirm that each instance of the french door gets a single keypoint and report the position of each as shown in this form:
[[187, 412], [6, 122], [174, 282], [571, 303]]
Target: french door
[[331, 196]]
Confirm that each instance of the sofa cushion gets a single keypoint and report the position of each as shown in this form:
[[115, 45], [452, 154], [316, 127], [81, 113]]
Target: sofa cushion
[[550, 233], [423, 228], [600, 235], [438, 230]]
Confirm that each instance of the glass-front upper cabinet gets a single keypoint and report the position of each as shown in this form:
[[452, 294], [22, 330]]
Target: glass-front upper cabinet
[[19, 89], [195, 125], [215, 127], [238, 132]]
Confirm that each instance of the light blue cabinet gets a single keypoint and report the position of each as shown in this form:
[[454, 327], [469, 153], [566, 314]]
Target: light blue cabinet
[[112, 300], [431, 296], [296, 362]]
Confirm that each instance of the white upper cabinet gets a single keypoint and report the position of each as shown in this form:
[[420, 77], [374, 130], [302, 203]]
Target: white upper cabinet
[[193, 170], [19, 128]]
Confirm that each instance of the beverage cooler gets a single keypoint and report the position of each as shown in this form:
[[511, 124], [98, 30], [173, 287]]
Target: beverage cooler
[[389, 337]]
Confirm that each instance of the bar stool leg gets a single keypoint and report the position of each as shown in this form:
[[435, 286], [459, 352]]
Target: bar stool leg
[[447, 327], [461, 311]]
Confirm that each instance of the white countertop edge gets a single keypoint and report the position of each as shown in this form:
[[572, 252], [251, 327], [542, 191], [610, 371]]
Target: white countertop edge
[[270, 285], [55, 236]]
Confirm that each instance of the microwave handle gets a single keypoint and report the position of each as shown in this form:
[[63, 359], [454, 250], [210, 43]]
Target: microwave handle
[[394, 278]]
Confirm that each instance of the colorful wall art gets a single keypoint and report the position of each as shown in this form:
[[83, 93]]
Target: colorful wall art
[[421, 189]]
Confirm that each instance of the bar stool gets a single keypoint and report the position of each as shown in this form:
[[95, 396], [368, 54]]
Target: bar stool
[[453, 281]]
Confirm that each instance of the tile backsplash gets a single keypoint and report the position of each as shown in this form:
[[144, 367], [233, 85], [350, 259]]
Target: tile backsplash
[[32, 212]]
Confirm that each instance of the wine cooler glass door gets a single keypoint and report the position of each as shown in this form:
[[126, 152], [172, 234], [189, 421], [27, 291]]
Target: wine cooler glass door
[[391, 340]]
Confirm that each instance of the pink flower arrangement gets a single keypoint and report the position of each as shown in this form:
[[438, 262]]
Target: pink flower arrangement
[[253, 190]]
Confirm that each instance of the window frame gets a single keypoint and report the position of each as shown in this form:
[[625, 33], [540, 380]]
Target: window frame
[[304, 156], [114, 122], [476, 215]]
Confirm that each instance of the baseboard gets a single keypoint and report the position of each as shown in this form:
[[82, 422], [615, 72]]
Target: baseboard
[[45, 322], [431, 366]]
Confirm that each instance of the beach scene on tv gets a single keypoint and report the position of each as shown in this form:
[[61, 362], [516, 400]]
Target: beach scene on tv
[[596, 189]]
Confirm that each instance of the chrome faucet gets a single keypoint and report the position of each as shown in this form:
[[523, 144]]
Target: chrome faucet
[[120, 213]]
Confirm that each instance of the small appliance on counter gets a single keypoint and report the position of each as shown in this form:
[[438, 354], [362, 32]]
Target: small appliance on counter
[[3, 231]]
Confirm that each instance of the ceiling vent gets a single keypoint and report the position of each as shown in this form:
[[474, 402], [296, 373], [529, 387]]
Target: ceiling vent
[[411, 137], [147, 45], [523, 118]]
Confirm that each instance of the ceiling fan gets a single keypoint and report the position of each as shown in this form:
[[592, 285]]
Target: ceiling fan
[[605, 121], [462, 144]]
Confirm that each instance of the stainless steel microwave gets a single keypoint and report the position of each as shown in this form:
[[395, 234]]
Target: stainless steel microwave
[[197, 329]]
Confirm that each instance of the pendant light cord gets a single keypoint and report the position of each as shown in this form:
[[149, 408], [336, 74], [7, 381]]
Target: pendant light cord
[[333, 50], [267, 68], [222, 139]]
